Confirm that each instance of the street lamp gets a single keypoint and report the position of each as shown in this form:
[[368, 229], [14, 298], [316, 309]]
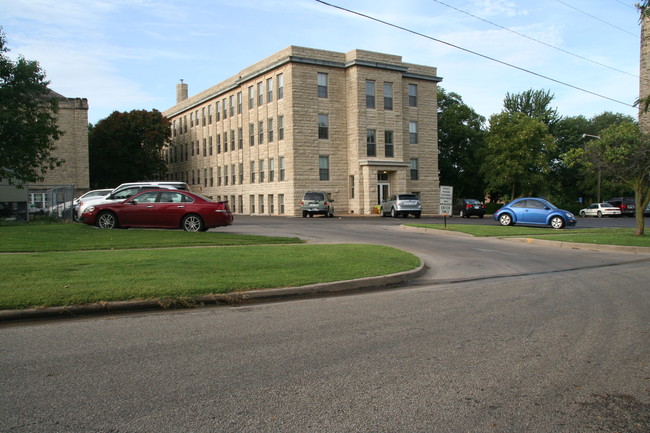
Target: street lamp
[[599, 168]]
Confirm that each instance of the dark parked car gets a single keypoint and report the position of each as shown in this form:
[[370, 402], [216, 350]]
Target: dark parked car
[[626, 204], [161, 208], [466, 207], [537, 211]]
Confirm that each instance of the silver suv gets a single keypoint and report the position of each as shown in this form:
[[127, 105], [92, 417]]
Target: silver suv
[[127, 190], [402, 205], [317, 203]]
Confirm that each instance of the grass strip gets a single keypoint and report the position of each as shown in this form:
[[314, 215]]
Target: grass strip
[[600, 236], [75, 237], [72, 278]]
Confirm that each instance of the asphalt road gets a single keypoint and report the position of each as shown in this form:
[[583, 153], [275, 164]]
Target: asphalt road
[[497, 337]]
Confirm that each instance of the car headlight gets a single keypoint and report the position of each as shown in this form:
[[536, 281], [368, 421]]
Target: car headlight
[[89, 209], [569, 215]]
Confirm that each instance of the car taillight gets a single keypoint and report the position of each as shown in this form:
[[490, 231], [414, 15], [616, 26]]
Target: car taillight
[[468, 206], [325, 203], [623, 206]]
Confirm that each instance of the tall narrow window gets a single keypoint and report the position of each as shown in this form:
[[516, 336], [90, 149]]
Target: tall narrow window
[[270, 129], [224, 103], [240, 138], [225, 175], [323, 126], [413, 95], [322, 85], [414, 169], [252, 171], [413, 132], [232, 139], [251, 97], [241, 173], [389, 147], [260, 130], [370, 94], [260, 94], [388, 96], [352, 186], [218, 113], [210, 114], [324, 167], [251, 134], [261, 170], [269, 89], [239, 102], [282, 169], [371, 142], [233, 174], [271, 169], [280, 127], [232, 105], [280, 86]]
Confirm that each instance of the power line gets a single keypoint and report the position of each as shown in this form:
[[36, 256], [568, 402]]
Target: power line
[[533, 39], [596, 18], [626, 4], [472, 52]]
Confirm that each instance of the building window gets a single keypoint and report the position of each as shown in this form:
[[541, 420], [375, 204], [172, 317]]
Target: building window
[[232, 139], [225, 175], [241, 173], [251, 134], [280, 127], [352, 186], [260, 130], [218, 176], [261, 170], [261, 200], [370, 94], [414, 169], [371, 142], [413, 95], [218, 143], [282, 169], [225, 142], [389, 148], [271, 204], [205, 147], [203, 120], [218, 113], [270, 128], [252, 171], [324, 167], [251, 98], [269, 89], [224, 103], [260, 94], [271, 169], [211, 176], [240, 138], [280, 86], [210, 145], [251, 200], [413, 132], [239, 102], [323, 126], [210, 114], [322, 85], [281, 203], [232, 105], [388, 96], [233, 174]]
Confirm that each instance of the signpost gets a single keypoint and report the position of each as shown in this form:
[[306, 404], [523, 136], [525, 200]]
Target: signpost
[[446, 198]]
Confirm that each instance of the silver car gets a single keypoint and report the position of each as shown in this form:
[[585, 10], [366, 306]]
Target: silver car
[[402, 205]]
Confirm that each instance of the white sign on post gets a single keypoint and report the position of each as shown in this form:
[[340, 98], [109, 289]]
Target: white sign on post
[[446, 197]]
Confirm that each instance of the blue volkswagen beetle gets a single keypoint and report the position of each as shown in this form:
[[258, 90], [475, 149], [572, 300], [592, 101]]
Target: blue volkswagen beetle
[[535, 211]]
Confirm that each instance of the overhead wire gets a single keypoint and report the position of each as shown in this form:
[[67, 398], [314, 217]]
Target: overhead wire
[[533, 39], [596, 18], [472, 52]]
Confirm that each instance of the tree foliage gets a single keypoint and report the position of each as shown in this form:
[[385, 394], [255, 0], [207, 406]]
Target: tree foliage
[[126, 147], [535, 104], [515, 156], [623, 155], [28, 120], [460, 136]]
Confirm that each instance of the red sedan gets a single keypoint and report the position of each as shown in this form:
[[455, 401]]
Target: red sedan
[[162, 208]]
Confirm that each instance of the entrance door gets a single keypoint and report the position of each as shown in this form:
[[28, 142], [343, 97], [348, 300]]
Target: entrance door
[[383, 191]]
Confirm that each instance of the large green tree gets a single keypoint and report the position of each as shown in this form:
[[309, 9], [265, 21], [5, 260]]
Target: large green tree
[[535, 104], [622, 154], [516, 155], [28, 120], [460, 136], [126, 147]]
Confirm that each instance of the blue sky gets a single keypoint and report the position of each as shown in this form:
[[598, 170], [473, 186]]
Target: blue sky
[[129, 54]]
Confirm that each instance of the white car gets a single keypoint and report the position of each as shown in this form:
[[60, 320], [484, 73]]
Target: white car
[[127, 190], [600, 210], [95, 193]]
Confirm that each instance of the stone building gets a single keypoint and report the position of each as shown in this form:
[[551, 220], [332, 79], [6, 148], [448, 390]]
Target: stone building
[[72, 146], [359, 125]]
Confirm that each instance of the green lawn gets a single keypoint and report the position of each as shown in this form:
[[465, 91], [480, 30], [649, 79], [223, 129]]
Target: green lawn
[[606, 236], [76, 264]]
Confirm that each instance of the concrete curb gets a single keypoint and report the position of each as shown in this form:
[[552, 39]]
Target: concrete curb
[[104, 308], [582, 246]]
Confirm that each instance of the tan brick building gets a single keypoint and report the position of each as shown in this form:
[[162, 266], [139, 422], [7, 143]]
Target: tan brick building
[[360, 125], [72, 146]]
